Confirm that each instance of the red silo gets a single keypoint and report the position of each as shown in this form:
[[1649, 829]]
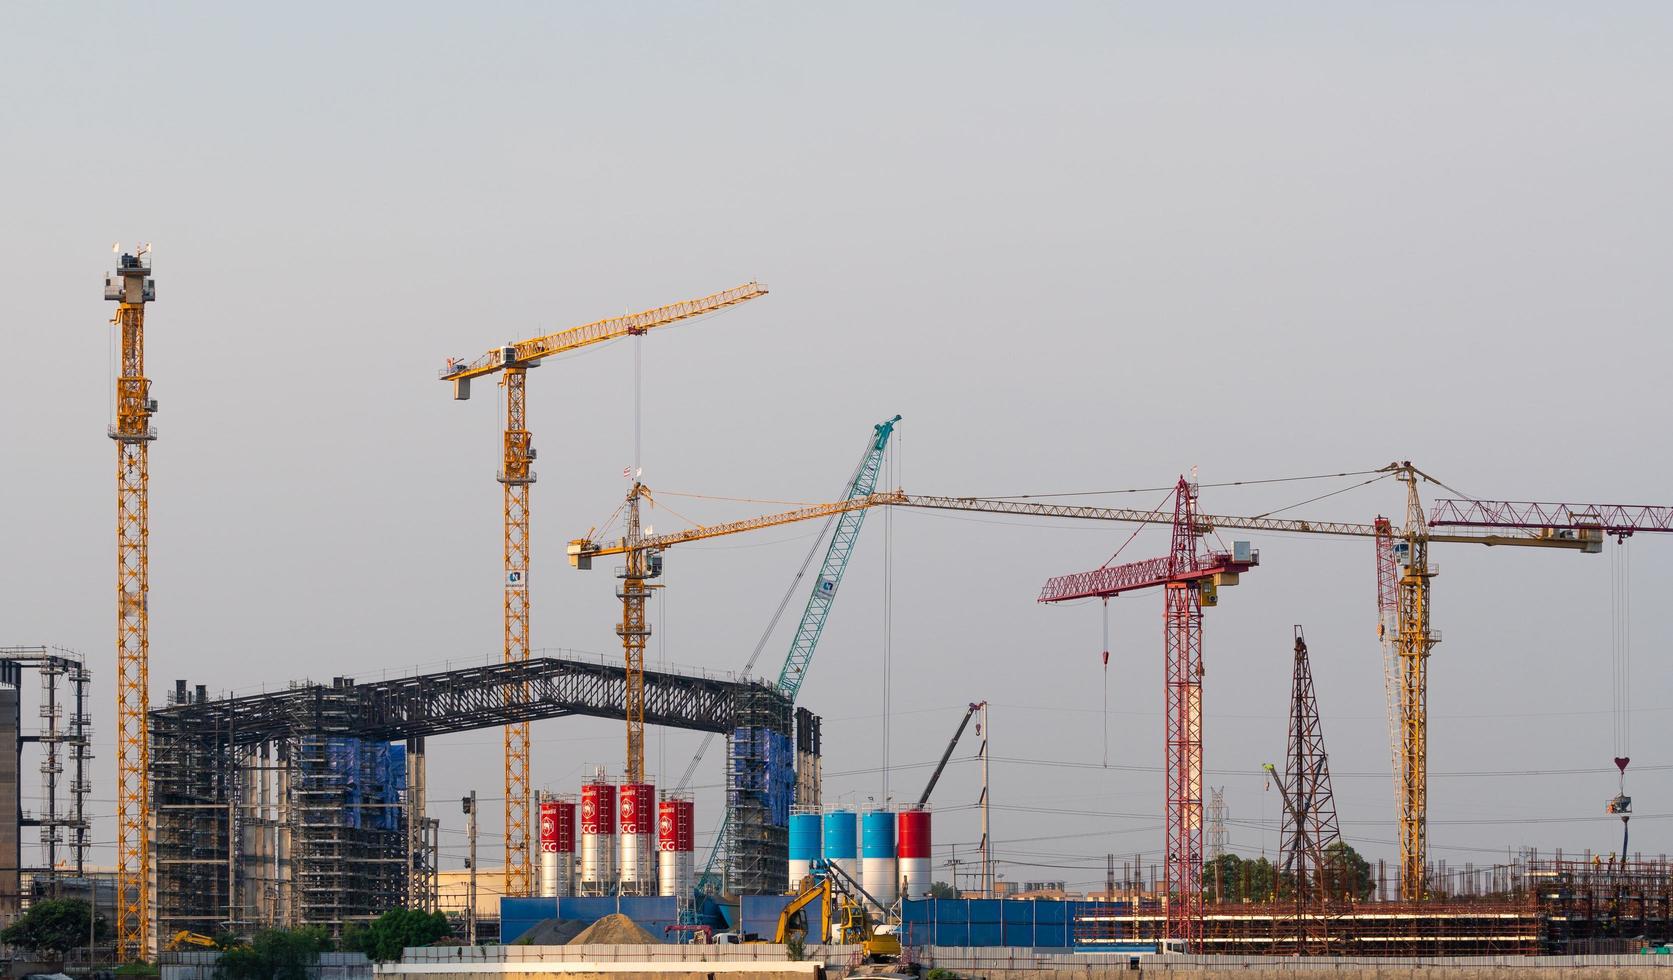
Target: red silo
[[913, 845]]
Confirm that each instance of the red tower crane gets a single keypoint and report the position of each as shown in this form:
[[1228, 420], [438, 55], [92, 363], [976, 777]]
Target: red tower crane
[[1190, 578]]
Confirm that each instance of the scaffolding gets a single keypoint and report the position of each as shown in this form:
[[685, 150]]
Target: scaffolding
[[64, 738], [1270, 928], [306, 826], [1526, 905], [305, 806], [760, 785]]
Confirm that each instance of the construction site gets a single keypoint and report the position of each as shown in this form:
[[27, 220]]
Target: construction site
[[1241, 330], [309, 805]]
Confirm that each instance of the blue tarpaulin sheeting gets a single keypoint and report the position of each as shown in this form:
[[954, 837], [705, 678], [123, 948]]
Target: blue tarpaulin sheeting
[[764, 763], [372, 777]]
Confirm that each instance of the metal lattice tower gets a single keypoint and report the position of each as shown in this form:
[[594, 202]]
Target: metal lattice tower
[[1216, 823], [635, 630], [1414, 641], [1190, 579], [516, 477], [1182, 644], [1309, 824], [131, 286]]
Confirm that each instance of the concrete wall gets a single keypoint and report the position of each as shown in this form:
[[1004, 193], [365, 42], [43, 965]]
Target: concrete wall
[[1008, 964], [769, 962], [663, 962], [200, 965]]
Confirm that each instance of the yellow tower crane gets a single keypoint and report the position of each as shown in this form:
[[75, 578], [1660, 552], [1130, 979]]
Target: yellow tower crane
[[1567, 527], [642, 555], [1414, 639], [513, 361], [131, 287]]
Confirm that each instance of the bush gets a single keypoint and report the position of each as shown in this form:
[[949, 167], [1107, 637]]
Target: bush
[[395, 930], [54, 926], [275, 954]]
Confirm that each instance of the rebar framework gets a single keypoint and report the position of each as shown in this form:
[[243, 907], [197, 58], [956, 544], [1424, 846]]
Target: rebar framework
[[1392, 929]]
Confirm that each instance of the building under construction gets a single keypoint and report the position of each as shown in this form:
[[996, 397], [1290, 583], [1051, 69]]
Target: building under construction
[[306, 806], [62, 741]]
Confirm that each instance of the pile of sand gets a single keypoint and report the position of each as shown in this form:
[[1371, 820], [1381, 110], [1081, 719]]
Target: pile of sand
[[552, 932], [613, 930]]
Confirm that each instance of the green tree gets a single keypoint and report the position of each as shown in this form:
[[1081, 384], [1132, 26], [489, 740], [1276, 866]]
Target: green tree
[[1239, 879], [394, 931], [1347, 872], [275, 954], [54, 926], [941, 889]]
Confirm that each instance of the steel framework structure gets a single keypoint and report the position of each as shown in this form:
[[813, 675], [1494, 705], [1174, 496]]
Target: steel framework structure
[[253, 791], [65, 740], [131, 286], [1309, 826], [516, 475]]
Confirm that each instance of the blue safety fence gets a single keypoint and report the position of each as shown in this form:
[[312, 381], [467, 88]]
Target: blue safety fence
[[1021, 923], [1036, 923], [652, 913]]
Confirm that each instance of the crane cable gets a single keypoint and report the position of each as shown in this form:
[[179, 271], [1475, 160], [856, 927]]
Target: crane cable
[[1620, 642], [1106, 682]]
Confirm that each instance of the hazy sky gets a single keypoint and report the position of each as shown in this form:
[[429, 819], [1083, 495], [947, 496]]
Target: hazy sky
[[1077, 247]]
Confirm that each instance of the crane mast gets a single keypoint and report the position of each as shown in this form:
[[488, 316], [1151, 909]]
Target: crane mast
[[512, 361], [131, 286], [1414, 640], [516, 476], [1190, 579], [641, 564]]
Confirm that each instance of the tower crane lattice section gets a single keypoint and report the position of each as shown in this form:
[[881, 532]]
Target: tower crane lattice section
[[1190, 578], [132, 287], [512, 361]]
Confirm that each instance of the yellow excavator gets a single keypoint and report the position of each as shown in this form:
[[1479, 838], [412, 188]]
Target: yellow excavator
[[184, 938], [843, 918]]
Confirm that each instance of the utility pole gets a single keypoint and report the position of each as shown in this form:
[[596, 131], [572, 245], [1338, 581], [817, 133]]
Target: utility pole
[[987, 843], [469, 803]]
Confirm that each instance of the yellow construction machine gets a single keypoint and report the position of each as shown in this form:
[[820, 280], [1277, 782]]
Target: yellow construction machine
[[843, 918], [184, 938]]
